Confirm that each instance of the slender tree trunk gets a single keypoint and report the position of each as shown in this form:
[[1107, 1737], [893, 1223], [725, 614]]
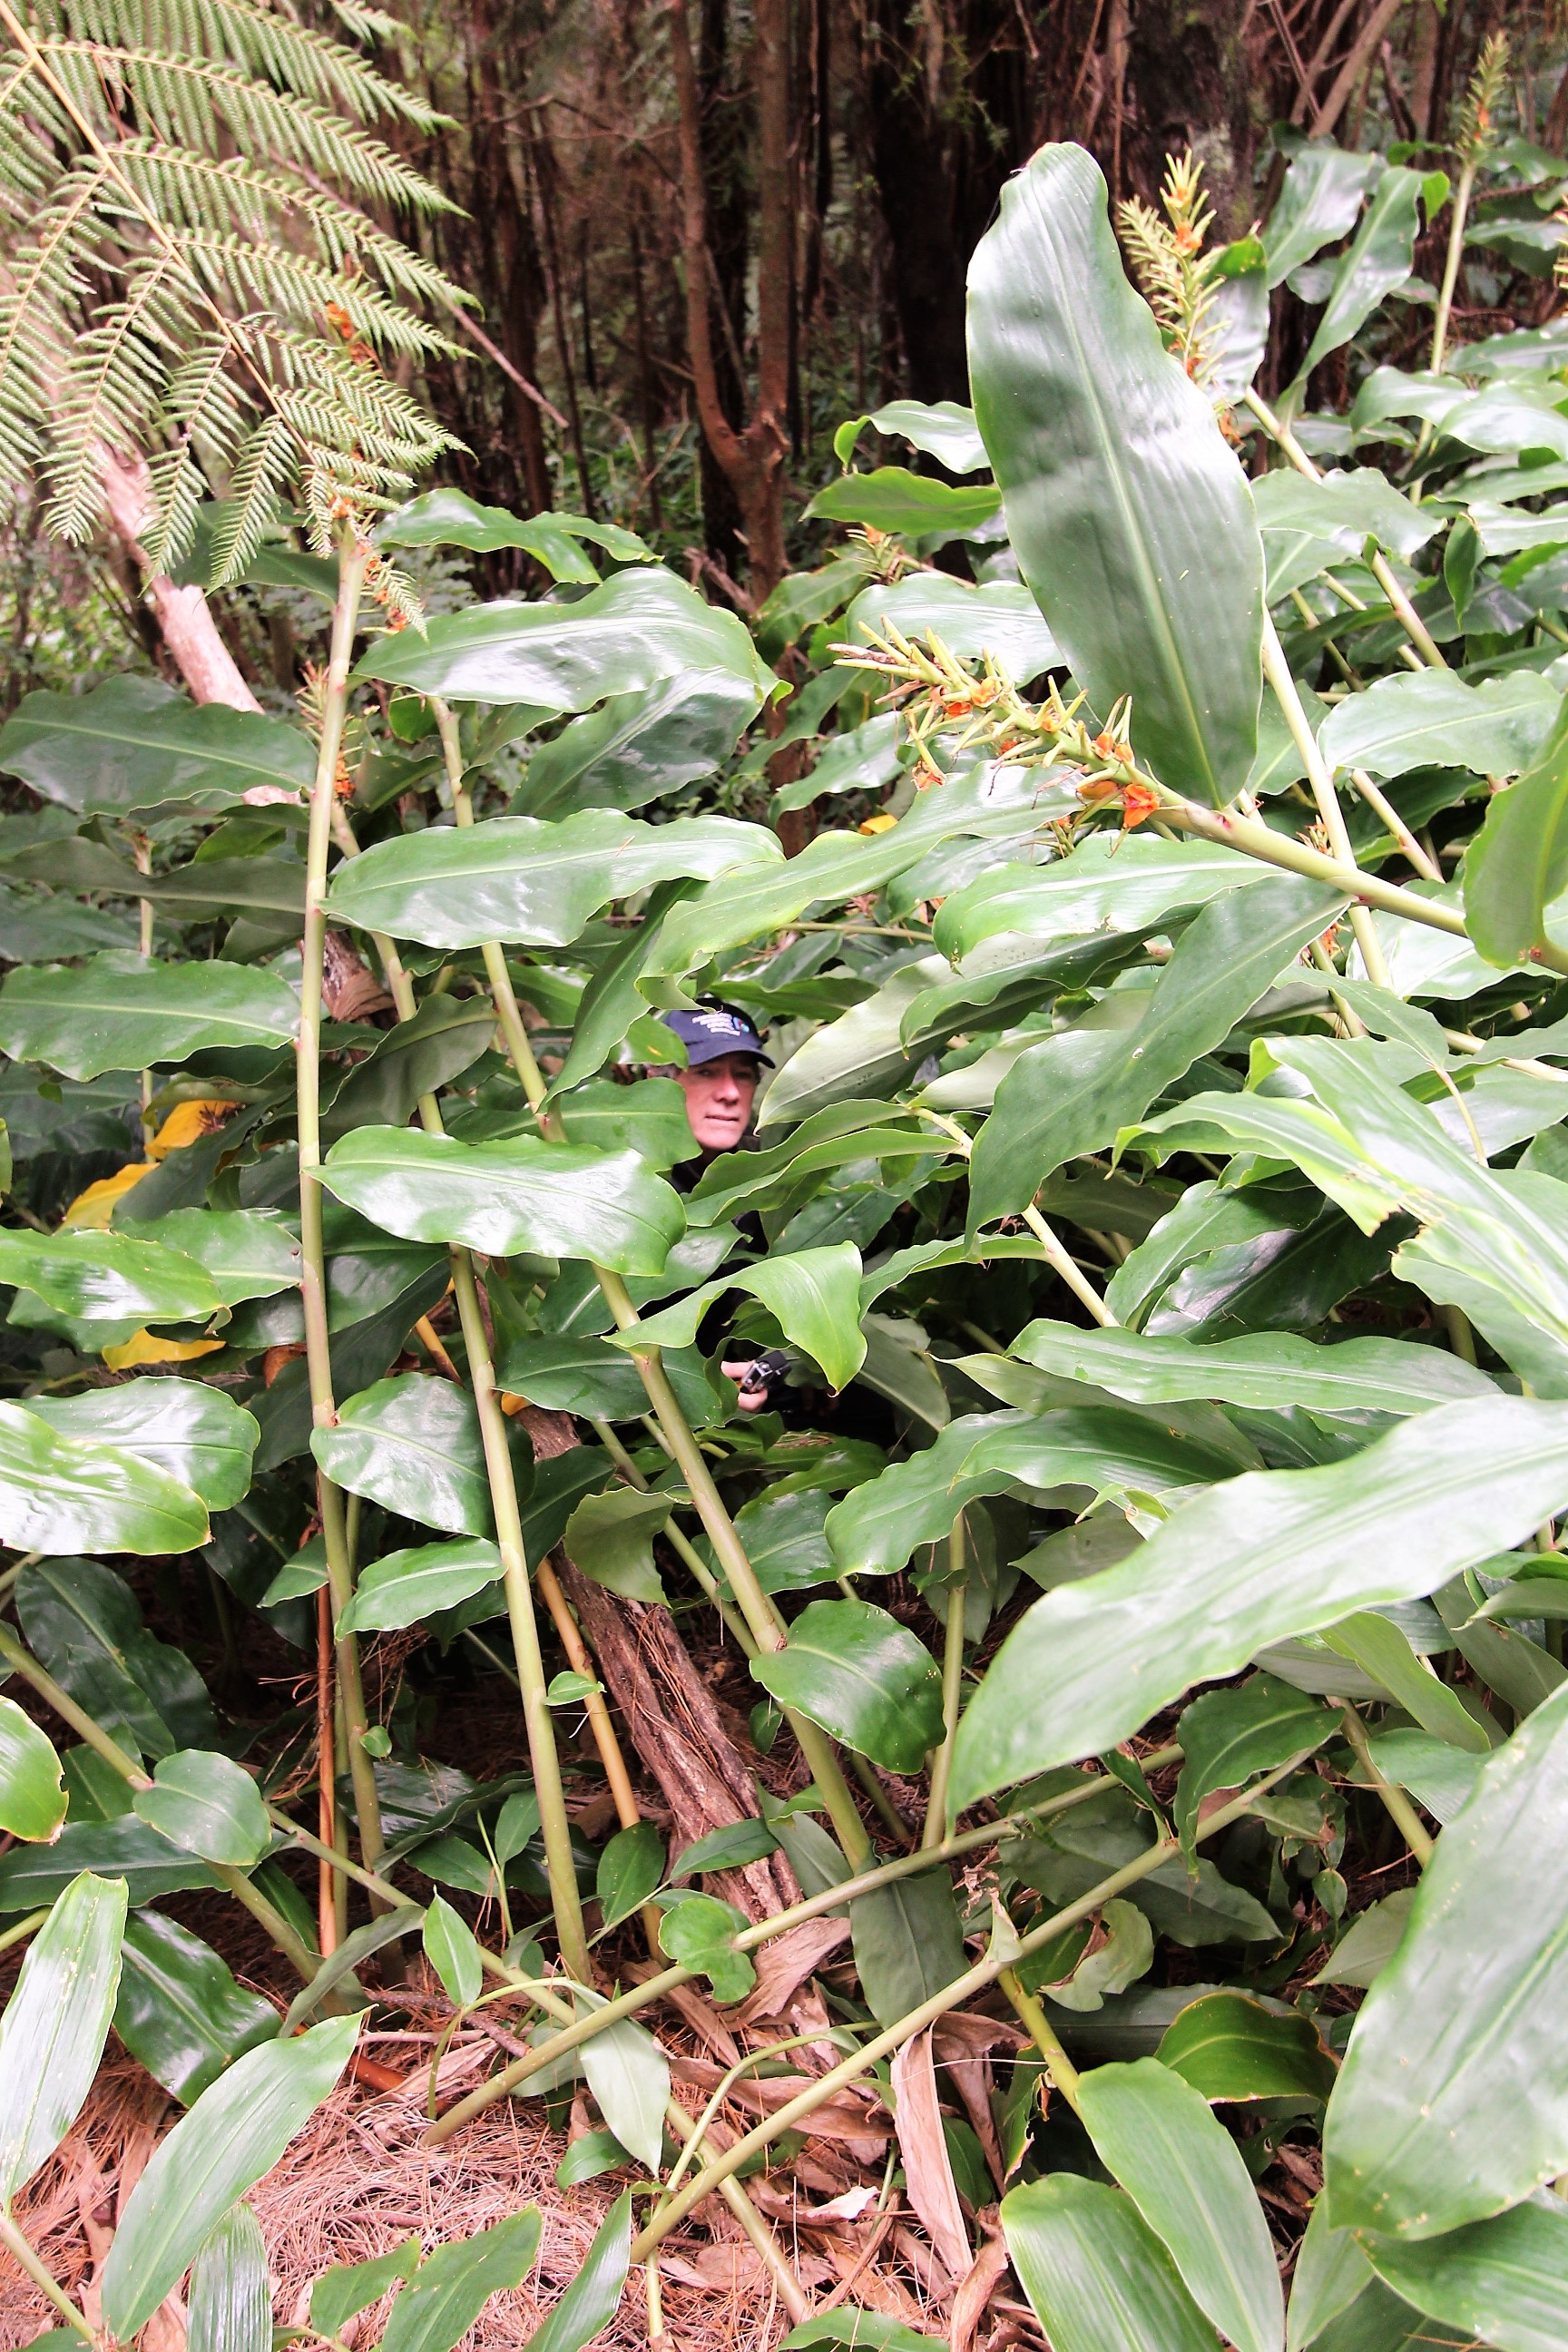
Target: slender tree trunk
[[184, 616]]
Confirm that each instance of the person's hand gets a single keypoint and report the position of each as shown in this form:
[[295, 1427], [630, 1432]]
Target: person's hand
[[753, 1381]]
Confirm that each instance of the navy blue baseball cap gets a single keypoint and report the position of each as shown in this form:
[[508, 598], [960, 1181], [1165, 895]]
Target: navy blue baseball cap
[[714, 1030]]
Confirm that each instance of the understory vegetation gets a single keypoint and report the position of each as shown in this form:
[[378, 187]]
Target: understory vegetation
[[1054, 1830]]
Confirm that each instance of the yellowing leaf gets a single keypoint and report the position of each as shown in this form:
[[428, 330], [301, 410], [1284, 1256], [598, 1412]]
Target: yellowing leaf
[[93, 1208], [147, 1347]]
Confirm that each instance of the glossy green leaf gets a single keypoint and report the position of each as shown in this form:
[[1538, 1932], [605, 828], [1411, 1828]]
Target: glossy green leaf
[[594, 2297], [1343, 509], [1069, 1856], [699, 1932], [122, 1011], [638, 627], [1452, 2102], [452, 2285], [637, 747], [1129, 515], [785, 1540], [1260, 1558], [83, 1621], [236, 2131], [875, 1528], [452, 1952], [862, 760], [447, 517], [446, 1036], [1317, 204], [103, 1277], [58, 1494], [908, 1940], [1233, 2049], [1379, 1648], [814, 1293], [52, 2033], [1430, 719], [510, 1198], [847, 2327], [998, 618], [1503, 2280], [32, 1794], [524, 878], [1378, 260], [629, 2076], [1184, 2172], [1097, 2278], [229, 2302], [122, 1849], [630, 1867], [133, 745], [1273, 1371], [204, 1803], [942, 429], [1517, 863], [197, 1435], [179, 2011], [893, 499], [1228, 1734], [405, 1586], [853, 1669], [1370, 1942], [412, 1445], [1439, 1777], [1071, 1093], [1105, 884], [610, 1538], [246, 1255], [728, 1848], [1331, 2272], [342, 2293]]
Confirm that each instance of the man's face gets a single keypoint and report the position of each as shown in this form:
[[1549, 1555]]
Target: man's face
[[718, 1098]]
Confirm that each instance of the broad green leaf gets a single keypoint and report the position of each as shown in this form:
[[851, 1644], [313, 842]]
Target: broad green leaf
[[1070, 1854], [101, 1278], [1273, 1371], [58, 1494], [510, 1198], [699, 1932], [1378, 260], [1071, 1093], [1379, 1648], [179, 2011], [629, 2076], [1517, 863], [638, 627], [53, 2029], [861, 1053], [1370, 1942], [567, 1373], [649, 1119], [1318, 203], [133, 745], [1331, 2272], [1343, 508], [1107, 882], [229, 2303], [524, 878], [122, 1011], [1430, 719], [1127, 1953], [785, 1540], [942, 429], [1452, 2104], [236, 2131], [862, 759], [1228, 1734], [404, 1586], [1129, 515], [85, 1624], [32, 1794], [447, 517], [1262, 1558], [891, 499], [1232, 2048], [1520, 1672], [1503, 2280], [610, 1538], [197, 1435], [907, 1939], [247, 1255], [847, 2327], [999, 618], [814, 1294], [1439, 1777], [1184, 2172], [452, 1952], [875, 1528], [342, 2293], [206, 1804], [630, 1867], [122, 1849], [1097, 2278], [451, 2287], [637, 747], [841, 1132], [594, 2297], [853, 1669], [729, 1848], [446, 1036], [412, 1445]]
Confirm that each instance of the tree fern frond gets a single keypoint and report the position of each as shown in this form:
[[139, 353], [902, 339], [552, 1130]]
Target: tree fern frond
[[112, 393], [208, 412], [266, 464]]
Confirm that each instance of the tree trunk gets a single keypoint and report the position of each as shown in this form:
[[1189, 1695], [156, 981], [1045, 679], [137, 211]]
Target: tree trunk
[[1193, 80], [184, 616]]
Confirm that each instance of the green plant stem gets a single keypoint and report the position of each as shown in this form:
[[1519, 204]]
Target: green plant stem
[[142, 852], [811, 1906], [1382, 808], [22, 1661], [1397, 1805], [43, 2278], [1409, 619], [1057, 1254], [951, 1687], [1451, 261], [1277, 670], [974, 1981], [20, 1929], [352, 566], [1060, 2072]]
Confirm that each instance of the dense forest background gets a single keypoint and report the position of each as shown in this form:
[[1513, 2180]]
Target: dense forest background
[[701, 235]]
